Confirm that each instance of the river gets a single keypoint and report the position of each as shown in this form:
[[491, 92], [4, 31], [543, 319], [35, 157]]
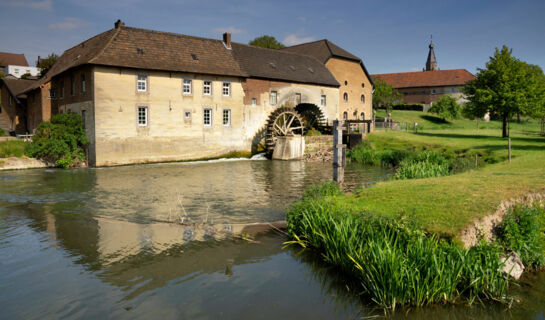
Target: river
[[105, 243]]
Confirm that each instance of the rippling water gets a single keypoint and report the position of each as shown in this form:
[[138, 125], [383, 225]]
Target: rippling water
[[97, 243]]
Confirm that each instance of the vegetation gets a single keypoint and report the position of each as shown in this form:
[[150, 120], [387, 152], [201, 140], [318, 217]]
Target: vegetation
[[393, 259], [447, 108], [523, 231], [266, 41], [2, 132], [506, 87], [384, 95], [13, 148], [61, 141], [47, 63], [26, 76]]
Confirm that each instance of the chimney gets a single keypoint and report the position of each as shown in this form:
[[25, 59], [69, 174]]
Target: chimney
[[119, 24], [227, 40]]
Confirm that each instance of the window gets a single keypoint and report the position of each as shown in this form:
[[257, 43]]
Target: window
[[432, 91], [273, 98], [62, 90], [207, 117], [82, 83], [363, 85], [186, 87], [297, 98], [207, 88], [142, 83], [345, 82], [254, 101], [16, 71], [142, 116], [83, 117], [51, 93], [362, 116], [72, 85], [226, 89], [453, 90], [345, 97], [187, 115], [322, 100], [362, 98], [226, 117], [345, 115]]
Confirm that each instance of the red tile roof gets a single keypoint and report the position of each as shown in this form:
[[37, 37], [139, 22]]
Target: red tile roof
[[17, 59], [437, 78]]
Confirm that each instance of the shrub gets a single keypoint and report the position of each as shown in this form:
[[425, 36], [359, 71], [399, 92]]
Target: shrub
[[313, 132], [12, 148], [394, 261], [523, 231], [2, 132], [61, 141], [447, 108]]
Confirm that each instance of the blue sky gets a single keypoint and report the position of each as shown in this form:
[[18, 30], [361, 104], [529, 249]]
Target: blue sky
[[390, 36]]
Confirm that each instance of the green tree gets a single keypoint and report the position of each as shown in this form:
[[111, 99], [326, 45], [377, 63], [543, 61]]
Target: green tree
[[447, 108], [26, 76], [536, 106], [506, 87], [47, 63], [266, 41], [385, 95]]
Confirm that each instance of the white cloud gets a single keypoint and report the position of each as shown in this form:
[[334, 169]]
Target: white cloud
[[294, 38], [232, 30], [67, 24], [46, 5]]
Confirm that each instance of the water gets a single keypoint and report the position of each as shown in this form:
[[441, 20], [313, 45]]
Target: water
[[101, 243]]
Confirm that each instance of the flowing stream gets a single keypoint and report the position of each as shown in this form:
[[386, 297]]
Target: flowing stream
[[105, 243]]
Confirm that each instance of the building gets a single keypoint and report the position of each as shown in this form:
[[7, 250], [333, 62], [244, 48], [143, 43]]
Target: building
[[356, 90], [427, 86], [15, 64], [151, 96], [13, 114]]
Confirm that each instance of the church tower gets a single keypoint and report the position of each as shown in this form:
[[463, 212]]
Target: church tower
[[431, 63]]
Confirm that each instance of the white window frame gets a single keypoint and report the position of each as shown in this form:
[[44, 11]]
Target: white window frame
[[204, 86], [142, 83], [204, 111], [224, 86], [273, 98], [146, 116], [323, 100], [228, 113], [254, 101], [187, 85]]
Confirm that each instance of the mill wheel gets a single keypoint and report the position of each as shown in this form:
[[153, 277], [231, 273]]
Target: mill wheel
[[312, 115], [283, 122]]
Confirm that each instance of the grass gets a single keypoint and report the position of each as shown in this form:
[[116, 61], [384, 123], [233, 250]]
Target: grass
[[13, 148], [392, 258]]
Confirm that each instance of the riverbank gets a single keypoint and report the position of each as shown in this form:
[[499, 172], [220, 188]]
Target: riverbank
[[402, 239]]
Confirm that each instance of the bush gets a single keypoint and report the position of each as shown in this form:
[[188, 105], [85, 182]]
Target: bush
[[447, 108], [523, 231], [394, 260], [61, 141], [2, 132], [313, 132], [12, 148]]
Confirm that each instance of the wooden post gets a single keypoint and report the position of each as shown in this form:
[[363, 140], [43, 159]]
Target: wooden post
[[476, 161], [509, 149], [416, 127], [339, 152]]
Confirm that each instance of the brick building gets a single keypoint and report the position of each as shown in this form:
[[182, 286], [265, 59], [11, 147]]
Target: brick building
[[427, 86]]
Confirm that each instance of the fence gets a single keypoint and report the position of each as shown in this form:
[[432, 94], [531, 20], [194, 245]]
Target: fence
[[392, 126]]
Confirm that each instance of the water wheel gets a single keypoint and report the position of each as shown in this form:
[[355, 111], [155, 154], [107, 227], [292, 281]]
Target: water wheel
[[312, 116], [283, 122]]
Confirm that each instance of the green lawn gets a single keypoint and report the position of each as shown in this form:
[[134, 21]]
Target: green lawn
[[446, 205]]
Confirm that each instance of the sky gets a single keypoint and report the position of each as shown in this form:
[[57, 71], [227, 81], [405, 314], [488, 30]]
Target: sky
[[389, 36]]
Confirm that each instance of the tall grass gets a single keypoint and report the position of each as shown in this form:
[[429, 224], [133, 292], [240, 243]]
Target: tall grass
[[523, 231], [394, 260], [424, 165], [13, 148]]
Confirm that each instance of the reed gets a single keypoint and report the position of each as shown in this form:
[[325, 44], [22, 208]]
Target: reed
[[394, 260]]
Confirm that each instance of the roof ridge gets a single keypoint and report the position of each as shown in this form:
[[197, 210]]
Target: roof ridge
[[171, 33], [305, 43], [379, 74], [277, 50]]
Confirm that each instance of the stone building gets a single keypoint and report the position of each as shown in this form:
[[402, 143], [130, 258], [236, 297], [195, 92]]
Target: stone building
[[13, 115], [427, 86], [150, 96], [356, 90]]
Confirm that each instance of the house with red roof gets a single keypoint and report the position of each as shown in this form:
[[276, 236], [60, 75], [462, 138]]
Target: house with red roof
[[428, 86]]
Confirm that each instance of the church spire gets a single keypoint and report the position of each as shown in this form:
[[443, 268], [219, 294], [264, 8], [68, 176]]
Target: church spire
[[431, 63]]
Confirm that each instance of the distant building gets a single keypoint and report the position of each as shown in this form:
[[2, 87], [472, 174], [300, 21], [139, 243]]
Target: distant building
[[356, 91], [15, 64], [13, 117], [427, 86]]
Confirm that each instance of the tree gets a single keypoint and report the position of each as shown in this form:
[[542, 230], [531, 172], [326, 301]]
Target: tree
[[47, 63], [384, 95], [536, 106], [266, 41], [26, 76], [447, 108], [506, 87]]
